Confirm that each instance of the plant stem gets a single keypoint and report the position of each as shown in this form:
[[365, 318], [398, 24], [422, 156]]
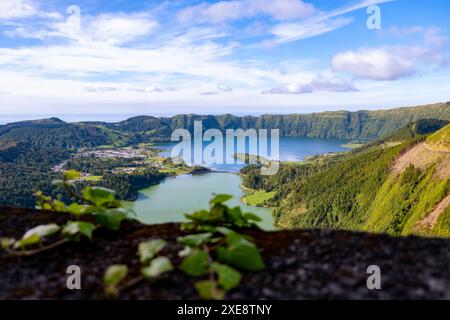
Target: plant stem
[[131, 283], [27, 253]]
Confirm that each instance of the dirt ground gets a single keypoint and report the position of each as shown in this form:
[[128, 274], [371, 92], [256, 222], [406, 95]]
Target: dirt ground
[[307, 264]]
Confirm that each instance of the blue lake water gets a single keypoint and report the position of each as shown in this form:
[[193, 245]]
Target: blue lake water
[[290, 149], [168, 201]]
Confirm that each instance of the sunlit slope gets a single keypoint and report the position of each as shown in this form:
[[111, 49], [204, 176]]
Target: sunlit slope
[[397, 188], [415, 197], [440, 140]]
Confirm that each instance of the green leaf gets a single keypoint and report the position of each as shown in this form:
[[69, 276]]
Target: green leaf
[[77, 209], [234, 214], [115, 274], [74, 228], [71, 175], [32, 239], [7, 242], [194, 240], [42, 230], [241, 253], [196, 264], [112, 218], [228, 277], [208, 290], [98, 195], [185, 252], [157, 267], [58, 206], [56, 182], [36, 234], [148, 249], [252, 217], [203, 216], [224, 230], [220, 198]]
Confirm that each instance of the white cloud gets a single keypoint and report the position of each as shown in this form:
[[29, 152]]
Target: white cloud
[[315, 85], [115, 29], [173, 60], [224, 11], [357, 6], [101, 89], [320, 23], [12, 9], [395, 62], [150, 89], [375, 64], [433, 37], [118, 29], [218, 90], [123, 88], [289, 32]]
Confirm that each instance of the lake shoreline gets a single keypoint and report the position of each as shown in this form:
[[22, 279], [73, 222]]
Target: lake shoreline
[[189, 192]]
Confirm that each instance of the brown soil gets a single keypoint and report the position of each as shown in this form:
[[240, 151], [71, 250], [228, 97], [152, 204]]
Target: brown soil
[[308, 264], [432, 219], [422, 156]]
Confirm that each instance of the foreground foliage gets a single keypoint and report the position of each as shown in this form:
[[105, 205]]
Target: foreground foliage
[[95, 207], [214, 253]]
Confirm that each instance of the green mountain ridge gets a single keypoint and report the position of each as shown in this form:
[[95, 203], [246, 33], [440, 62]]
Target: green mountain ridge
[[416, 129], [363, 125]]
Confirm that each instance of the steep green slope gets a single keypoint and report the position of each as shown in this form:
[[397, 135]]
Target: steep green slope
[[400, 189], [341, 195], [440, 140], [413, 130], [11, 150], [403, 201]]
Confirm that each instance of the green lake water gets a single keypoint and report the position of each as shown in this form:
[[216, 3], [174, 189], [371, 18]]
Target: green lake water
[[169, 200]]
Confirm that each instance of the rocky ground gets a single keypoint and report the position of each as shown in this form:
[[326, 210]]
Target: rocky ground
[[308, 264]]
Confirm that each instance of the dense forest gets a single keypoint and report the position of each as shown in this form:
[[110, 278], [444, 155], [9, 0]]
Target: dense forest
[[25, 169], [400, 187]]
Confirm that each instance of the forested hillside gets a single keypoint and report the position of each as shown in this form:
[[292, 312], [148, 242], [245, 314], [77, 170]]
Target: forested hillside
[[399, 187], [366, 125], [24, 170], [55, 133], [340, 124]]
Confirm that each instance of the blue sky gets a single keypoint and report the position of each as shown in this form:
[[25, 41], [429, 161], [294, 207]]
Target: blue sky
[[234, 56]]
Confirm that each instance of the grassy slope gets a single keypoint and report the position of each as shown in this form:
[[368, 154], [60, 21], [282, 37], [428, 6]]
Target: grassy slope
[[403, 201], [440, 140], [259, 197]]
